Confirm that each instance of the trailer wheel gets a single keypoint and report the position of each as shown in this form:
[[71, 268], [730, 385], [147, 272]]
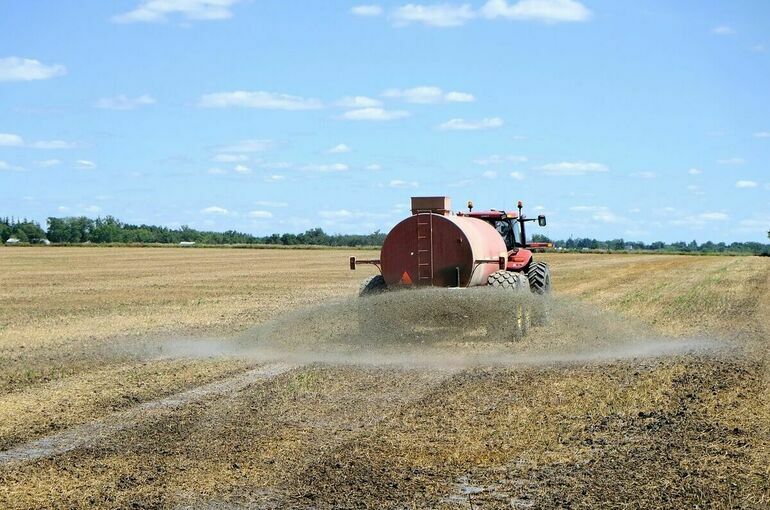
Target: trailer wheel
[[373, 285], [506, 280], [539, 276]]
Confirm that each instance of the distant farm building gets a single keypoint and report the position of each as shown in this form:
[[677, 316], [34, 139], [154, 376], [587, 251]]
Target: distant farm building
[[187, 243], [12, 240]]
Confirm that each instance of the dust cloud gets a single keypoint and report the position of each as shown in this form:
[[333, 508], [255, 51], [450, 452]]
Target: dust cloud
[[444, 328]]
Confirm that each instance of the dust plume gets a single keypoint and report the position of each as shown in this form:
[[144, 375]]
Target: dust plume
[[445, 327]]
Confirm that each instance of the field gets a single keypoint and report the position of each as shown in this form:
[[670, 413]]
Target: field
[[120, 388]]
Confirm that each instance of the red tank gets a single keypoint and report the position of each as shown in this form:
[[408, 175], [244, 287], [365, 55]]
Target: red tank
[[435, 248]]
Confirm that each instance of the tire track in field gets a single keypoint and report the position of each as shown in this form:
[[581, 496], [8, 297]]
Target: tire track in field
[[90, 433]]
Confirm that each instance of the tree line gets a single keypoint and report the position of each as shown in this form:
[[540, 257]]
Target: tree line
[[80, 229]]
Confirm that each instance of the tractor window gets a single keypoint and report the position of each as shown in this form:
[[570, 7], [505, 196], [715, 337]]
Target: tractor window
[[508, 231]]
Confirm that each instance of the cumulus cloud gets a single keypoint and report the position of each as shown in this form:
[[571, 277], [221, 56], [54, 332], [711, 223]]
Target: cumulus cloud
[[496, 159], [373, 167], [731, 161], [722, 30], [215, 210], [258, 99], [275, 178], [401, 184], [230, 158], [517, 175], [85, 164], [598, 213], [366, 10], [251, 145], [340, 213], [374, 114], [643, 175], [696, 220], [26, 69], [489, 174], [471, 125], [333, 167], [436, 15], [746, 184], [428, 94], [548, 11], [260, 214], [573, 168], [339, 149], [156, 11], [122, 102], [358, 102], [10, 140], [762, 134], [4, 165], [241, 169], [694, 171]]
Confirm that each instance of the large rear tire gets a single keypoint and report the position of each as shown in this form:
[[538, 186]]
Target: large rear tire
[[539, 276], [373, 285], [514, 326]]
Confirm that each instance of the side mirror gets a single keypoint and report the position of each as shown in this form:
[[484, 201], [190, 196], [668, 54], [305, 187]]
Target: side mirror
[[541, 220]]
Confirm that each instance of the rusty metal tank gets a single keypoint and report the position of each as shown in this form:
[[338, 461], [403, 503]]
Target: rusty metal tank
[[436, 248]]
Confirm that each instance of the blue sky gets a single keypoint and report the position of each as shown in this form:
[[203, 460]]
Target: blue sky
[[643, 120]]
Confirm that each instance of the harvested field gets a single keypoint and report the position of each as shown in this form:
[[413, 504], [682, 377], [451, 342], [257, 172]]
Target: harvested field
[[220, 378]]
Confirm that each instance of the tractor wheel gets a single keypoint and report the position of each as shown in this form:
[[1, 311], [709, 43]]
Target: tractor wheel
[[539, 276], [373, 285], [506, 280]]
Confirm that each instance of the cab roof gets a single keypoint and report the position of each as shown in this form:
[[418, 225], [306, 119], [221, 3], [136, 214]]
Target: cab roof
[[490, 215]]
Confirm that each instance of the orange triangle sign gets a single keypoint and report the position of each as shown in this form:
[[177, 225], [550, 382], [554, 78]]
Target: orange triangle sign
[[405, 280]]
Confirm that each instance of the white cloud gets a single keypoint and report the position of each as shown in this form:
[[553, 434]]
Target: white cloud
[[242, 169], [471, 125], [258, 99], [427, 95], [253, 145], [275, 178], [260, 214], [93, 209], [731, 161], [47, 163], [358, 102], [746, 184], [436, 15], [722, 30], [699, 219], [9, 167], [26, 69], [62, 208], [52, 144], [10, 140], [598, 213], [341, 213], [762, 134], [366, 10], [643, 175], [339, 149], [517, 175], [374, 114], [85, 164], [398, 183], [155, 11], [373, 167], [573, 168], [496, 159], [270, 203], [215, 210], [217, 171], [122, 102], [694, 171], [489, 174], [230, 158], [548, 11], [333, 167]]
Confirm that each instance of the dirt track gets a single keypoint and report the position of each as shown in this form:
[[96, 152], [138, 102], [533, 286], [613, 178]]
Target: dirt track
[[678, 430]]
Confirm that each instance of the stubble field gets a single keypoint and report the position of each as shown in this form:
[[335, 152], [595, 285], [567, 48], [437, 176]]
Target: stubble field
[[128, 379]]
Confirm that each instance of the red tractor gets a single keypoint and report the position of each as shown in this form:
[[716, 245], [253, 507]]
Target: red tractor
[[437, 248]]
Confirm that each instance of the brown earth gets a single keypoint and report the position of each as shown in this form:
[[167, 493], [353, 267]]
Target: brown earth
[[84, 344]]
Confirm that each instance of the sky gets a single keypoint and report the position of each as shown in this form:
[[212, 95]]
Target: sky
[[642, 120]]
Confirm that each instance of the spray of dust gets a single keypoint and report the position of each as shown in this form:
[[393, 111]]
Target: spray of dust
[[445, 328]]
